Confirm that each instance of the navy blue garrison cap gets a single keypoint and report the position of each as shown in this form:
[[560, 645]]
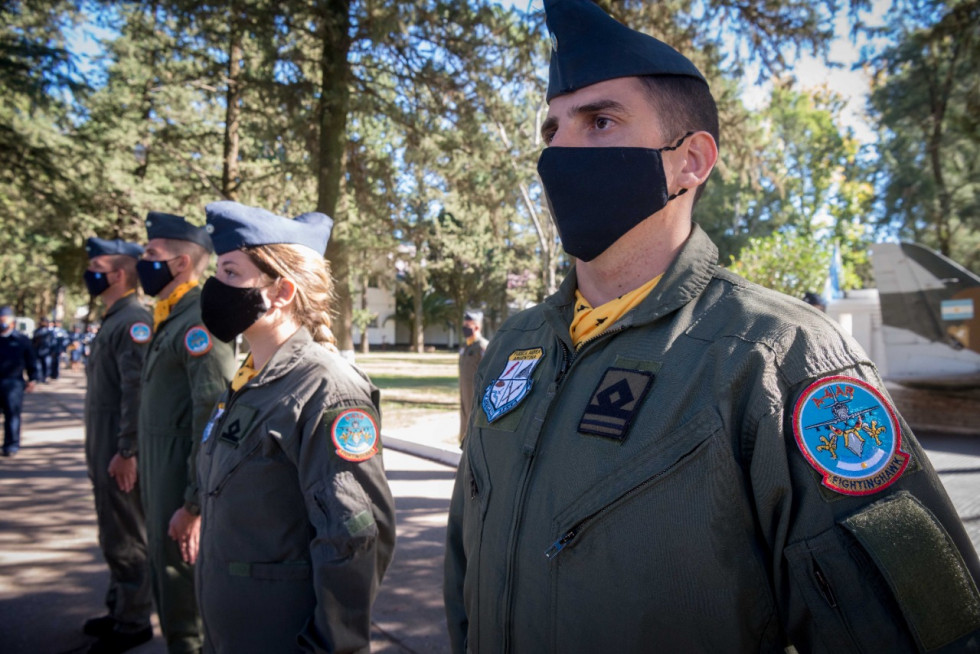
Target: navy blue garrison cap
[[167, 225], [234, 226], [96, 247], [6, 310], [589, 46]]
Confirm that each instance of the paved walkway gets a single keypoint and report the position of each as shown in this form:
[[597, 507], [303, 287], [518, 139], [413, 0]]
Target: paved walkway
[[52, 576]]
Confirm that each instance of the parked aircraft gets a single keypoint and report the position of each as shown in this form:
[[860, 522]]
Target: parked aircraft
[[930, 310]]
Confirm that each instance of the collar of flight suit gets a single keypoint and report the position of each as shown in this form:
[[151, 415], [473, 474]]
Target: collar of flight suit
[[118, 305], [284, 359], [188, 300], [684, 280]]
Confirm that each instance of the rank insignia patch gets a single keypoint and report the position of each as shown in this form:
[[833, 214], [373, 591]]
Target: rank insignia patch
[[140, 332], [355, 433], [514, 383], [615, 402], [197, 340], [849, 433]]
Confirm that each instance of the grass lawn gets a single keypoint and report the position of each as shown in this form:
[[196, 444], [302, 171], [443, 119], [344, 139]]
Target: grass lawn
[[413, 386]]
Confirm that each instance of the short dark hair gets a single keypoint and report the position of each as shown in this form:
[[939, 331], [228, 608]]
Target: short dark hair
[[684, 104]]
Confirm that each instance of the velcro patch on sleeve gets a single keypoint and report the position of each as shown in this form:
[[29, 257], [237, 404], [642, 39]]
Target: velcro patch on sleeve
[[922, 566]]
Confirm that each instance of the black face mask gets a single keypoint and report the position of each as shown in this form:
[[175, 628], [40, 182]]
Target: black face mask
[[596, 195], [96, 282], [227, 311], [467, 331], [154, 275]]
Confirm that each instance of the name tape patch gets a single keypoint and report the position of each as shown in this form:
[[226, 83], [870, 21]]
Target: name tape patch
[[849, 433]]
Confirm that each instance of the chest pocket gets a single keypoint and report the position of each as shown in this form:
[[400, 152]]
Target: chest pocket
[[234, 438]]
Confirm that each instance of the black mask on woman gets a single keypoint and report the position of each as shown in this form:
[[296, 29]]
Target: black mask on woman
[[227, 311], [154, 275], [96, 282], [596, 195]]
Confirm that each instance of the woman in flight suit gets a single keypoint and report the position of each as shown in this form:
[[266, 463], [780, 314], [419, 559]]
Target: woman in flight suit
[[297, 517]]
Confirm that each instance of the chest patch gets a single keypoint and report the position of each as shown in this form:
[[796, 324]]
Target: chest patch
[[140, 332], [614, 403], [215, 417], [197, 340], [355, 434], [508, 390], [849, 433]]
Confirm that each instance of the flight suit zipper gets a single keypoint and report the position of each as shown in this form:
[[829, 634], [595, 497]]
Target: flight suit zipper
[[581, 525], [567, 363]]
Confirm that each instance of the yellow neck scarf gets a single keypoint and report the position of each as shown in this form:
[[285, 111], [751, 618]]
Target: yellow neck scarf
[[244, 375], [161, 310], [588, 322]]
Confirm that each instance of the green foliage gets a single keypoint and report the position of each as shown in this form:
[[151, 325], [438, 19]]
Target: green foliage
[[926, 95], [787, 261], [416, 125]]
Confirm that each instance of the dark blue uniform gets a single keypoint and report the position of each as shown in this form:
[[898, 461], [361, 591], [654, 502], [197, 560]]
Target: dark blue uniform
[[44, 348], [16, 357]]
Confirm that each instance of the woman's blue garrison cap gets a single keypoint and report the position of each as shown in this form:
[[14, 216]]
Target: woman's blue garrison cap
[[167, 225], [234, 226], [96, 247], [589, 46]]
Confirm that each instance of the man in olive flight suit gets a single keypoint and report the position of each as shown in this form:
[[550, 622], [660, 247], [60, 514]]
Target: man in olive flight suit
[[669, 458], [185, 372], [470, 355], [111, 413]]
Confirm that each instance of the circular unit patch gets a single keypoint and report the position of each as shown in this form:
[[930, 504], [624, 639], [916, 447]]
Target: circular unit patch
[[197, 340], [140, 332], [355, 433], [849, 433]]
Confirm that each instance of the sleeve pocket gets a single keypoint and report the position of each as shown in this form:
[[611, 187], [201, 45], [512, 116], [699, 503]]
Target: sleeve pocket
[[342, 515]]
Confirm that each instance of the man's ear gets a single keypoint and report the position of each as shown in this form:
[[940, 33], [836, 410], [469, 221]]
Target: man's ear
[[182, 263], [701, 155]]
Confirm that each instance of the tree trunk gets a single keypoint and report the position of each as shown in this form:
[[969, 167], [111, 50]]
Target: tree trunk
[[233, 110], [334, 101], [418, 326], [365, 343]]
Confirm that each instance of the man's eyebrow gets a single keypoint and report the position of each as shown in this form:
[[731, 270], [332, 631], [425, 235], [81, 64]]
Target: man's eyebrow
[[585, 109], [598, 105]]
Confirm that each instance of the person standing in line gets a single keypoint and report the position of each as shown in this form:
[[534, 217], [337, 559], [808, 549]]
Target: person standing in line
[[184, 373], [17, 357], [670, 458], [298, 522], [75, 348], [470, 355], [60, 340], [112, 399], [43, 340]]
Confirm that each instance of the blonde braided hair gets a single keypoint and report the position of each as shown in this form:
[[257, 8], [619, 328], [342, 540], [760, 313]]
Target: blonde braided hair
[[314, 284]]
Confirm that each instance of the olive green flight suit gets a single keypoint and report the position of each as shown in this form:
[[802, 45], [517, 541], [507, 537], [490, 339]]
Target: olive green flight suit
[[469, 359], [112, 400], [295, 537], [182, 378], [648, 493]]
